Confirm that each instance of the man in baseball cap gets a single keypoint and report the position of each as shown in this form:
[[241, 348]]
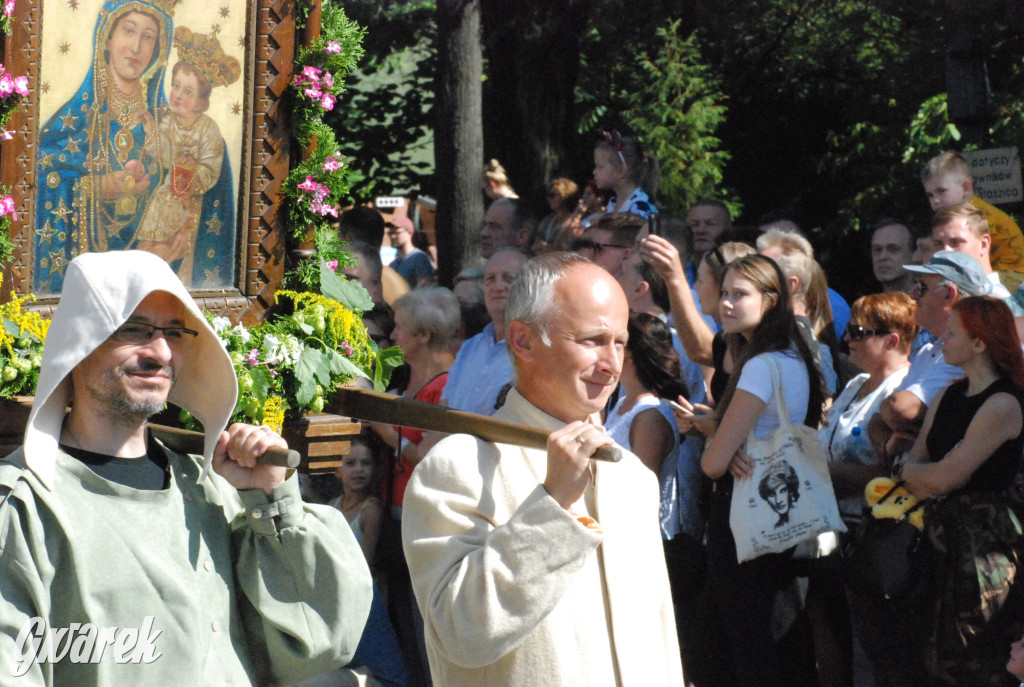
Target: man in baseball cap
[[946, 278]]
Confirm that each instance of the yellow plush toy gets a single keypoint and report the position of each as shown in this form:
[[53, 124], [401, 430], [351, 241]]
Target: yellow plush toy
[[896, 506]]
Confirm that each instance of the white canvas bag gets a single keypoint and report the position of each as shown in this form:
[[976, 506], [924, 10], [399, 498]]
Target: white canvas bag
[[789, 498]]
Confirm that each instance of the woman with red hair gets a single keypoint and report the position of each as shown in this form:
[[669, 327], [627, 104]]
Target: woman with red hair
[[968, 452]]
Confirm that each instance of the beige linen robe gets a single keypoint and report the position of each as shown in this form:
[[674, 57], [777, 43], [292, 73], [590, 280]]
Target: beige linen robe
[[515, 591]]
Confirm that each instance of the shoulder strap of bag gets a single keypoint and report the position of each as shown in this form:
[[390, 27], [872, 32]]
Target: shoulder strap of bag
[[780, 399]]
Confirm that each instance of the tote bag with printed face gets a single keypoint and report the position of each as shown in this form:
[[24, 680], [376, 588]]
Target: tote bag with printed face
[[789, 498]]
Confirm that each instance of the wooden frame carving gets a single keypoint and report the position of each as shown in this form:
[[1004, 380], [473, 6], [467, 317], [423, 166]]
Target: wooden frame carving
[[266, 157]]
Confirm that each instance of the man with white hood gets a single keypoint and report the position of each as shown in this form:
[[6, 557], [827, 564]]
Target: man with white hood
[[123, 562]]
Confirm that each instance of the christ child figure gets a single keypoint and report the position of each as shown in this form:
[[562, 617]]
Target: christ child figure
[[190, 150]]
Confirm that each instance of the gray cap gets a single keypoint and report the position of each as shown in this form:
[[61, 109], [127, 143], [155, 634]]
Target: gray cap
[[959, 268]]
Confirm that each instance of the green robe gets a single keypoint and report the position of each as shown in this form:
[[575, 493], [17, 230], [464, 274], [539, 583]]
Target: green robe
[[239, 589]]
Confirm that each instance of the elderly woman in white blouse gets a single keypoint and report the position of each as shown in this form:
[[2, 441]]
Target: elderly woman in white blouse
[[880, 332]]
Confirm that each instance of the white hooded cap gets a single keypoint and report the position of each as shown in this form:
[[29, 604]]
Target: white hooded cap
[[101, 291]]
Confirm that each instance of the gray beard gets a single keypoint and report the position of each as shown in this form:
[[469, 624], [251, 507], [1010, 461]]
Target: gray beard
[[130, 413]]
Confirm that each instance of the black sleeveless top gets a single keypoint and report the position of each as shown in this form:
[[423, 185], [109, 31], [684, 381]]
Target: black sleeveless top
[[952, 417]]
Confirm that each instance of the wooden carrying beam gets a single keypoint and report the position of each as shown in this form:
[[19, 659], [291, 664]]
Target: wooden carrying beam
[[187, 441], [375, 406]]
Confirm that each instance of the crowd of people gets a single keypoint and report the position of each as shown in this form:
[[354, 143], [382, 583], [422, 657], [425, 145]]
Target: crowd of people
[[713, 310], [676, 340]]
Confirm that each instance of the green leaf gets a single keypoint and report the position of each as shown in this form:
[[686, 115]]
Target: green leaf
[[262, 381], [340, 365], [313, 366], [387, 361], [392, 357], [12, 328], [349, 293]]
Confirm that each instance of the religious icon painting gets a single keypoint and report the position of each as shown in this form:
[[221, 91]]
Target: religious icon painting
[[140, 136]]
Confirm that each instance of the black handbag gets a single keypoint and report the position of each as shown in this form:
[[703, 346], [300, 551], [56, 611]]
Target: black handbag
[[883, 557]]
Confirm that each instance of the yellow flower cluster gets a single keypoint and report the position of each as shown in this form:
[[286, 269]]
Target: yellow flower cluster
[[28, 322], [343, 325], [273, 413]]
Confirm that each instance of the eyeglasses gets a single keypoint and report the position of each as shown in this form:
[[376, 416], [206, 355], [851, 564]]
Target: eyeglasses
[[923, 288], [855, 332], [139, 333], [601, 247]]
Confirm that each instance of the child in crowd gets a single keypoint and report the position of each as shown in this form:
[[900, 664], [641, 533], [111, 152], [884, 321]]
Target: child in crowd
[[622, 166], [189, 147], [495, 182], [359, 474], [947, 181]]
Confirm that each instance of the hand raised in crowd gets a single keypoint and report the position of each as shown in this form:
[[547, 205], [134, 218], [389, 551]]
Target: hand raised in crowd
[[237, 453], [569, 451], [695, 418], [662, 256]]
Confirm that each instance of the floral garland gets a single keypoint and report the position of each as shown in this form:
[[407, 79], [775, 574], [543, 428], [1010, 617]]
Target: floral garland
[[12, 90], [317, 187], [295, 362]]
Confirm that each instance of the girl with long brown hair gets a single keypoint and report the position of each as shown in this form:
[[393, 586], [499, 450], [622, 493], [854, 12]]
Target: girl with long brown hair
[[762, 333]]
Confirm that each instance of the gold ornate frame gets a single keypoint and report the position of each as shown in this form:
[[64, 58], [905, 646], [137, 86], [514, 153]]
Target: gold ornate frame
[[266, 157]]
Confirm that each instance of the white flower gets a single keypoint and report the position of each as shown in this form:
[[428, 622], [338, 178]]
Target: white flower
[[291, 349], [242, 333], [272, 345], [220, 324]]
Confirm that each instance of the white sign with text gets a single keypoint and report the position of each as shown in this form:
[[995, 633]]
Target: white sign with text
[[996, 174]]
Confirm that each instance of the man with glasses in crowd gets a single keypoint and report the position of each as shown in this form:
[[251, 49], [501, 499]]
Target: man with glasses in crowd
[[945, 279], [610, 239], [188, 575]]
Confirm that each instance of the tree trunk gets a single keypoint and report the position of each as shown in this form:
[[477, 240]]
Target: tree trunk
[[533, 49], [458, 138]]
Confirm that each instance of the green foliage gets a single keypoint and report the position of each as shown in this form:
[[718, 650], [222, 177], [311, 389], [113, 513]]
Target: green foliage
[[318, 187], [384, 120], [335, 53], [329, 249], [676, 106]]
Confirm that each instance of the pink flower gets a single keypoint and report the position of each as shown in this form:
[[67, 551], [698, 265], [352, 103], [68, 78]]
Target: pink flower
[[309, 184], [345, 346], [328, 101], [333, 264], [6, 85], [253, 357], [329, 79], [20, 82], [313, 92], [311, 73], [6, 135], [9, 9], [332, 47], [7, 207], [331, 164], [317, 205]]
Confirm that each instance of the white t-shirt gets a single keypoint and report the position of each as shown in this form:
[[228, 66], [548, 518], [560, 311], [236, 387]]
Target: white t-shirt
[[756, 378], [929, 373], [844, 438]]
